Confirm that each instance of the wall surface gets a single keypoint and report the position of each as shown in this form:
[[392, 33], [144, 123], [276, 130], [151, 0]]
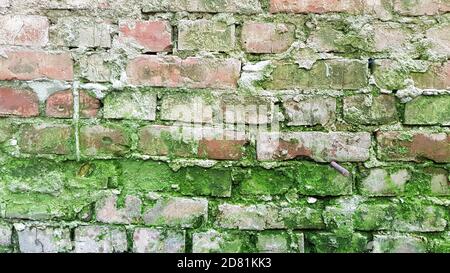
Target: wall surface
[[210, 125]]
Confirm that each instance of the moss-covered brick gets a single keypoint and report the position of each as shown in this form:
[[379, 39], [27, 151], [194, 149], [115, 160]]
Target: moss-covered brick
[[322, 180], [206, 35], [200, 181], [212, 6], [40, 189], [47, 138], [398, 243], [405, 217], [104, 140], [441, 244], [141, 177], [413, 146], [149, 176], [177, 212], [328, 242], [436, 77], [259, 181], [390, 75], [130, 105], [369, 109], [428, 110], [213, 241], [165, 141], [280, 242], [329, 74]]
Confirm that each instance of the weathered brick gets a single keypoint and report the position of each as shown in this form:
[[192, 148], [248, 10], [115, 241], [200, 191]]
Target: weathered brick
[[60, 105], [439, 36], [206, 35], [130, 105], [153, 36], [81, 32], [250, 217], [422, 7], [177, 211], [38, 189], [154, 176], [95, 68], [267, 37], [213, 241], [382, 182], [260, 181], [238, 109], [322, 147], [413, 146], [310, 110], [321, 180], [437, 77], [100, 239], [329, 74], [426, 110], [187, 109], [215, 6], [33, 65], [24, 30], [403, 217], [89, 105], [370, 109], [44, 240], [107, 212], [327, 242], [439, 182], [204, 142], [391, 37], [47, 139], [5, 234], [279, 242], [314, 6], [104, 140], [396, 243], [389, 74], [260, 217], [192, 72], [21, 103], [147, 240]]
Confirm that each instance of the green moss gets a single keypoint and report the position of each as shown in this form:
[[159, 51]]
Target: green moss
[[322, 180], [259, 181], [200, 181]]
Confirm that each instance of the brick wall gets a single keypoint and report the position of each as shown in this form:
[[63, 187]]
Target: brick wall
[[210, 126]]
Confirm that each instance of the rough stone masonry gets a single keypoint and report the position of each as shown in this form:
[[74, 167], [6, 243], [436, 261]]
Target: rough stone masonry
[[95, 94]]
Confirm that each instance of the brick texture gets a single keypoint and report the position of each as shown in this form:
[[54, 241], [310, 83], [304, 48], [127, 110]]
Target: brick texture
[[224, 126]]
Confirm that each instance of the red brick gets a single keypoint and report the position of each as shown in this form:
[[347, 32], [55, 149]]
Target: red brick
[[267, 37], [421, 7], [89, 105], [25, 30], [32, 65], [154, 36], [413, 146], [316, 6], [46, 139], [60, 104], [221, 149], [103, 140], [22, 103], [193, 72]]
